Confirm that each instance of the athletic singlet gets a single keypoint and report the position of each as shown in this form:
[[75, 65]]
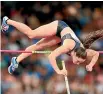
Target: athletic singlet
[[68, 36], [61, 26]]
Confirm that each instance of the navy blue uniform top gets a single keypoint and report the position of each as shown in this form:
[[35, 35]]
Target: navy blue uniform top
[[61, 26], [68, 36]]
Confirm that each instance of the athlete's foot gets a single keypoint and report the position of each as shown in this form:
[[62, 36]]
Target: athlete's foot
[[5, 26], [13, 66]]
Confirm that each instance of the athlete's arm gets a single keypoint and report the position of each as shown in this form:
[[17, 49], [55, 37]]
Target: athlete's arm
[[54, 55], [67, 45], [95, 56]]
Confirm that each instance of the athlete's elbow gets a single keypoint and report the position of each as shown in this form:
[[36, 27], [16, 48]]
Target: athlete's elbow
[[97, 54], [50, 57]]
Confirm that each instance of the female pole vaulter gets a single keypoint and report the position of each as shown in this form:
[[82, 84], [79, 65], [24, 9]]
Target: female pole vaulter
[[52, 34]]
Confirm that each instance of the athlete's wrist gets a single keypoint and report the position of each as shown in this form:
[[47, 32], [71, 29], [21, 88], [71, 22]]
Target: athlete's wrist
[[57, 70]]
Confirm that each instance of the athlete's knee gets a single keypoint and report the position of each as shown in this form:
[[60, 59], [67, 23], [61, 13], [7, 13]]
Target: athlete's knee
[[31, 35]]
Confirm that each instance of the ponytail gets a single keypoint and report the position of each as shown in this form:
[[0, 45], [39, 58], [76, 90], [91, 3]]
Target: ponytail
[[91, 37]]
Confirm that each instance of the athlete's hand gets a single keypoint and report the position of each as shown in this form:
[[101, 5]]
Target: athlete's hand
[[89, 68], [62, 72]]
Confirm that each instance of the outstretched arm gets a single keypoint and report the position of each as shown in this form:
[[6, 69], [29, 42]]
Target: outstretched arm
[[95, 56], [54, 55]]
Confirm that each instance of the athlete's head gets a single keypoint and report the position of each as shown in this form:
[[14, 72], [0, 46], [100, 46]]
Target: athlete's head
[[79, 55]]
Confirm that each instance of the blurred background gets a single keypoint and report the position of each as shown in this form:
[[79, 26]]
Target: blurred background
[[35, 74]]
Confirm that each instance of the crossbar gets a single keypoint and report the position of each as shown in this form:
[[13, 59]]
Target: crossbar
[[37, 52], [22, 51], [101, 52]]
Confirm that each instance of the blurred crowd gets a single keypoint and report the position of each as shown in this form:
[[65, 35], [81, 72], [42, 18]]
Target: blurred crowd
[[35, 74]]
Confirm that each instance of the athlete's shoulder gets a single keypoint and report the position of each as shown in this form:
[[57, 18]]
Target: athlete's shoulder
[[91, 52], [69, 43]]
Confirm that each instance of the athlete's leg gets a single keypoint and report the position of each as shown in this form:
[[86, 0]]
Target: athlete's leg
[[41, 32], [43, 43]]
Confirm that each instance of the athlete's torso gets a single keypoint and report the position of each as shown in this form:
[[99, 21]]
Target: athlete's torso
[[68, 35]]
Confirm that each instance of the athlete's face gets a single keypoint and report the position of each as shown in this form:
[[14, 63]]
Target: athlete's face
[[77, 60]]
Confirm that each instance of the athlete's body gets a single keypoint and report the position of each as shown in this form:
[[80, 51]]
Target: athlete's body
[[52, 34]]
